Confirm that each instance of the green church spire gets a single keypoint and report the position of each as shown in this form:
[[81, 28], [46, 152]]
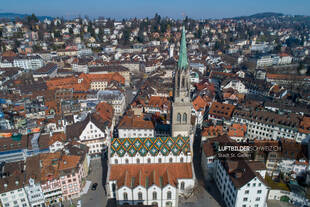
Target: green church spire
[[183, 63]]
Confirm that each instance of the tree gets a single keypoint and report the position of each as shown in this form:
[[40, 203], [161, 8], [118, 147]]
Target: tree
[[32, 19], [126, 35], [71, 30], [140, 37]]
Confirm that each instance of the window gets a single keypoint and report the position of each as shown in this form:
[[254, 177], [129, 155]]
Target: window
[[116, 161], [138, 160], [169, 195], [182, 185], [245, 199], [125, 195], [257, 199], [140, 196], [91, 126], [259, 191], [179, 118], [185, 118], [254, 184], [181, 159], [149, 160], [247, 192], [159, 160], [259, 184], [170, 159], [154, 196], [126, 161]]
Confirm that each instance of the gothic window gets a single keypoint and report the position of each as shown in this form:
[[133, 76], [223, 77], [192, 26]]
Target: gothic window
[[183, 82], [159, 160], [182, 185], [181, 159], [91, 126], [125, 196], [169, 195], [116, 161], [138, 160], [149, 160], [154, 196], [179, 118], [170, 159], [140, 196], [185, 118], [126, 161]]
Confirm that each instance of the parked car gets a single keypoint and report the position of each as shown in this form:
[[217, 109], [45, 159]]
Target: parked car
[[94, 186], [79, 203]]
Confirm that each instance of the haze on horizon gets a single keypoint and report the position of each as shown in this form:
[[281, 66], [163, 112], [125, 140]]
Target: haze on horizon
[[198, 9]]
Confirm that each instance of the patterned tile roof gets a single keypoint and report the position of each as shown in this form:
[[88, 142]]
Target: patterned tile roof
[[154, 146]]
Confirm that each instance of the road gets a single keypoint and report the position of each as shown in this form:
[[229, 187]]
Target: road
[[206, 193], [98, 173]]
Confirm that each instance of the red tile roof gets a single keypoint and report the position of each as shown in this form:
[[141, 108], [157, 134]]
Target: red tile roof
[[221, 110], [237, 130], [150, 174], [200, 104]]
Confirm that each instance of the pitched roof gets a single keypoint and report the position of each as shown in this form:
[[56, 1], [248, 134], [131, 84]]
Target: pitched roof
[[241, 172], [152, 146], [216, 130], [58, 136], [75, 130], [15, 176], [221, 110], [199, 103], [135, 122], [150, 174], [105, 111], [237, 130]]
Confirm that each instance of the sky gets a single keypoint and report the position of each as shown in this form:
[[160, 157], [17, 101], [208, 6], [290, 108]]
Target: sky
[[198, 9]]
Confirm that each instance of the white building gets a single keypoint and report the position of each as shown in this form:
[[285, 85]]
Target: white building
[[241, 183], [267, 125], [12, 181], [115, 98], [92, 132], [15, 197], [265, 61], [235, 84], [35, 194], [132, 126], [28, 62]]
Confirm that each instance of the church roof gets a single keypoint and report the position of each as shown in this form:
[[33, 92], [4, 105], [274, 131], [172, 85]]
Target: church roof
[[183, 62], [154, 146], [147, 175]]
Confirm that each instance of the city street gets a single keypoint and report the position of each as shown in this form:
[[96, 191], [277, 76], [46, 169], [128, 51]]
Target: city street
[[96, 198], [206, 192]]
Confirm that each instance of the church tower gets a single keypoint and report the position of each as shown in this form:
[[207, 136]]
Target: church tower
[[181, 106]]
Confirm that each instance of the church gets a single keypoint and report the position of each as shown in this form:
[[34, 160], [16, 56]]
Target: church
[[157, 170]]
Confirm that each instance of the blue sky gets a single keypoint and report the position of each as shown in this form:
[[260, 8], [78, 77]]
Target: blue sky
[[142, 8]]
